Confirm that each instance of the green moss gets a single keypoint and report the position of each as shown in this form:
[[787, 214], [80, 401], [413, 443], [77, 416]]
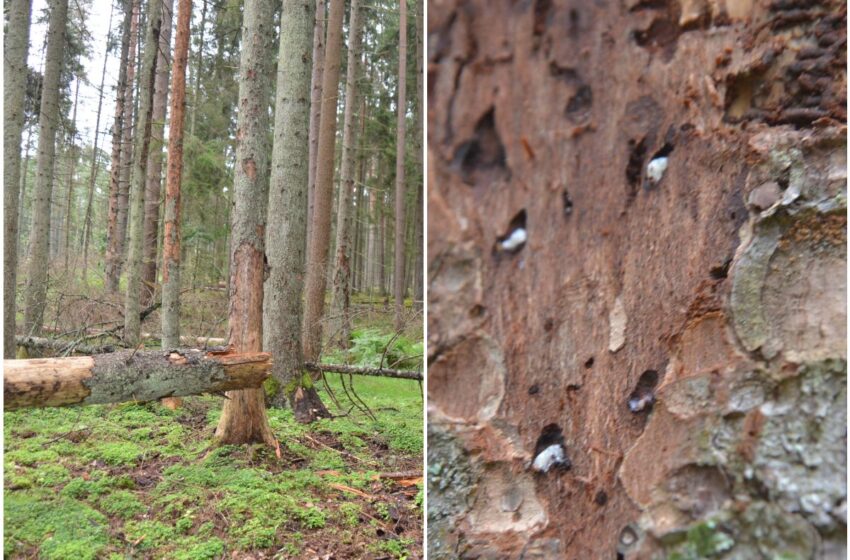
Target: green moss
[[115, 453], [60, 528], [195, 549], [122, 504], [149, 533]]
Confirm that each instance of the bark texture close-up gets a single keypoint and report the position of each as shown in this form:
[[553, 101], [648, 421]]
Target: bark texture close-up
[[637, 279]]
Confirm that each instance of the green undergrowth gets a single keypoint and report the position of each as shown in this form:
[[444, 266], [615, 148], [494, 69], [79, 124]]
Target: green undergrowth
[[141, 481]]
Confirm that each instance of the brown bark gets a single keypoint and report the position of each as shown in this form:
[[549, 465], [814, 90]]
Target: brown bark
[[315, 109], [243, 416], [317, 262], [171, 235], [153, 182], [677, 315], [128, 376], [399, 167]]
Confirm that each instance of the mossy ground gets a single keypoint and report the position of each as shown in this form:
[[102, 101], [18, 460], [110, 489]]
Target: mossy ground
[[142, 481]]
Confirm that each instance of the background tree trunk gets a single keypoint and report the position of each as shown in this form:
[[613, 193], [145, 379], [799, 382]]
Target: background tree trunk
[[87, 224], [317, 263], [399, 167], [121, 149], [243, 416], [15, 49], [287, 241], [36, 288], [147, 78], [315, 108], [712, 282], [341, 298], [73, 156], [153, 183]]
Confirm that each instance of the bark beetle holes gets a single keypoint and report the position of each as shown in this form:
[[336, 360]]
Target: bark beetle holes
[[634, 168], [534, 389], [484, 153], [643, 396], [657, 166], [628, 538], [568, 203], [601, 498], [549, 451], [514, 239], [589, 363]]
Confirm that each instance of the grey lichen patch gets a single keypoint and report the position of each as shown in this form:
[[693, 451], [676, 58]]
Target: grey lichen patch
[[148, 376], [506, 502], [689, 396], [452, 480], [617, 326], [802, 450]]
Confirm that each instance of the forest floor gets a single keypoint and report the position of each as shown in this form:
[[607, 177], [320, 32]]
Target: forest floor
[[142, 481]]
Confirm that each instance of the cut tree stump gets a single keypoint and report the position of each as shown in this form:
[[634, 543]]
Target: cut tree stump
[[129, 376]]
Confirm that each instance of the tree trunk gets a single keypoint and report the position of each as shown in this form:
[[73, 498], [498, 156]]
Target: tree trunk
[[419, 248], [243, 417], [198, 67], [128, 376], [36, 288], [121, 147], [87, 224], [147, 78], [153, 182], [399, 167], [73, 154], [171, 236], [286, 238], [659, 370], [315, 109], [341, 300], [317, 263], [15, 51]]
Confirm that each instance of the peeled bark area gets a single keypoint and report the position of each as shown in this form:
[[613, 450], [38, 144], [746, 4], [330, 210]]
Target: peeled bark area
[[128, 376], [684, 334]]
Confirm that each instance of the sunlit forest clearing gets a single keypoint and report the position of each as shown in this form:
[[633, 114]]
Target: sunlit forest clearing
[[214, 248]]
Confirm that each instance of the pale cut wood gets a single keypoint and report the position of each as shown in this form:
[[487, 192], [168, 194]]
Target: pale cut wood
[[128, 376]]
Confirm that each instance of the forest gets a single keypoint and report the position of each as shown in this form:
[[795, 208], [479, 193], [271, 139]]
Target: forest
[[213, 279]]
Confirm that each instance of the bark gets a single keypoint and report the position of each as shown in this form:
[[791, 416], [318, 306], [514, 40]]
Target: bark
[[171, 236], [341, 300], [419, 241], [121, 146], [399, 167], [243, 417], [315, 109], [147, 78], [87, 223], [15, 50], [153, 182], [372, 243], [36, 287], [62, 346], [675, 322], [286, 236], [317, 263], [128, 376], [372, 372], [73, 155]]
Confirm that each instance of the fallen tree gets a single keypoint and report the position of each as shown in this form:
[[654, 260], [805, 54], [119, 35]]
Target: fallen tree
[[357, 370], [62, 346], [128, 376]]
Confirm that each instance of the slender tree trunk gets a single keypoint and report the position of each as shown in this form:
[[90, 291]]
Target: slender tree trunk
[[341, 299], [399, 166], [120, 147], [147, 78], [87, 224], [198, 67], [36, 288], [382, 244], [243, 417], [372, 243], [153, 182], [171, 236], [73, 154], [287, 238], [315, 109], [418, 266], [15, 50], [317, 264]]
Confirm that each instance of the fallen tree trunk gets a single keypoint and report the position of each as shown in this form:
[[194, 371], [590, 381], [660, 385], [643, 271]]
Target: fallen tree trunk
[[128, 376], [62, 345], [94, 333], [355, 370]]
